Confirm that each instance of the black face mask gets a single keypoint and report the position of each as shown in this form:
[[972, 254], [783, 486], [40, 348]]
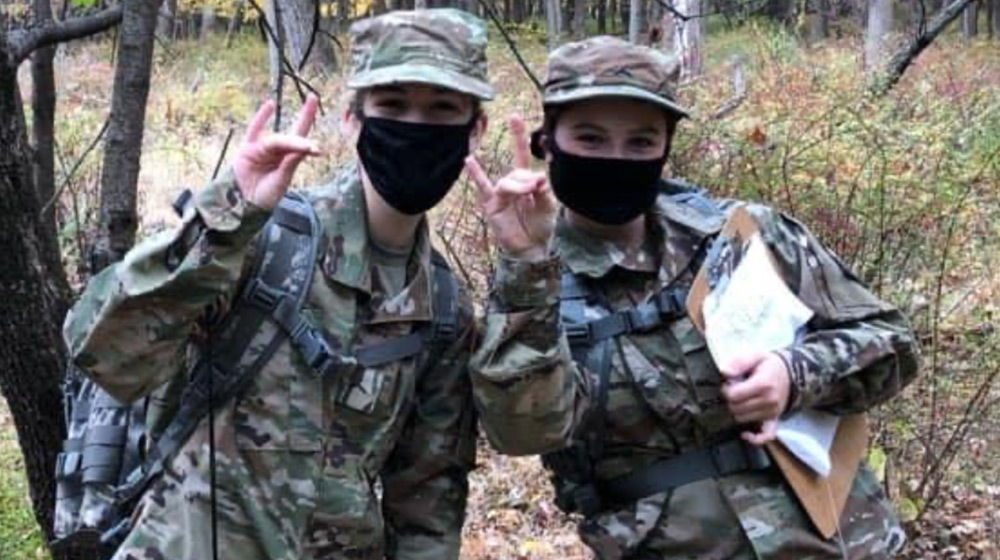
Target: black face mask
[[608, 191], [413, 165]]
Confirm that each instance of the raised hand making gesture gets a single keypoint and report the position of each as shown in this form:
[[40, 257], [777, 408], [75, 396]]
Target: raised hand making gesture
[[519, 208], [265, 163]]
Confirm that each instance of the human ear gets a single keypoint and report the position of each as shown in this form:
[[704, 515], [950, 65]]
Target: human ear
[[478, 132], [350, 127]]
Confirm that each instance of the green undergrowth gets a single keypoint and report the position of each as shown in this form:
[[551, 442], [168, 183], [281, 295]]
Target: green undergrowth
[[20, 538]]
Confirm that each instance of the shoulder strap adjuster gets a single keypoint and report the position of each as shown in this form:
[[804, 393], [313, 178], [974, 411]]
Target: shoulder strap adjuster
[[262, 296], [579, 334], [671, 303]]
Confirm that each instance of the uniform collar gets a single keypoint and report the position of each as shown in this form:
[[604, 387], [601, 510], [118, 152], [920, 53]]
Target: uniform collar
[[678, 230], [347, 260]]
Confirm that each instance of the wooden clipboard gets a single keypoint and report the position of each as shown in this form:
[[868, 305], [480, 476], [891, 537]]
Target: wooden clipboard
[[823, 498]]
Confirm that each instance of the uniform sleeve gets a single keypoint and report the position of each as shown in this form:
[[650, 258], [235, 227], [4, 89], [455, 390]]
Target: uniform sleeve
[[130, 328], [858, 350], [528, 391], [425, 479]]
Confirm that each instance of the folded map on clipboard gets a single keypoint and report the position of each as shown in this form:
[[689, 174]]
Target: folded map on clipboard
[[741, 304], [754, 311]]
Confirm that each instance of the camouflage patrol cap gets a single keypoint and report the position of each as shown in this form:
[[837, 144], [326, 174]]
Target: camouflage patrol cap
[[603, 66], [442, 47]]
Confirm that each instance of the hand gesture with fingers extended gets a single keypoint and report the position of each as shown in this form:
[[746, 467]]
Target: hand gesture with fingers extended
[[265, 162], [757, 389], [519, 208]]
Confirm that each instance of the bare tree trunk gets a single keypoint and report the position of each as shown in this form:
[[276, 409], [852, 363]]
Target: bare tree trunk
[[43, 110], [167, 19], [553, 22], [31, 305], [299, 18], [602, 17], [996, 18], [377, 7], [422, 4], [207, 21], [826, 15], [877, 34], [990, 14], [34, 293], [687, 38], [344, 15], [235, 22], [970, 20], [123, 146], [579, 19], [636, 25]]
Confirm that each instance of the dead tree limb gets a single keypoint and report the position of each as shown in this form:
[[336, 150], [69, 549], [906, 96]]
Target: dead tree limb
[[23, 43], [904, 57]]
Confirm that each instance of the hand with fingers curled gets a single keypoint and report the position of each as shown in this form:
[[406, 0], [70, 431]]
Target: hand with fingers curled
[[757, 388], [519, 208], [265, 163]]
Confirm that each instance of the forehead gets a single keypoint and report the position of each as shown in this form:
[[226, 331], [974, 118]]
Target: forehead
[[613, 113]]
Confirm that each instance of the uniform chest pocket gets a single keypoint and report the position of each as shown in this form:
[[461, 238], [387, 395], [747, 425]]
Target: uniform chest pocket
[[702, 374], [369, 390]]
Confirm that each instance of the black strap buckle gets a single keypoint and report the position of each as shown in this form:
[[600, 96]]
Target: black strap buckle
[[443, 330], [671, 303], [578, 333], [318, 354], [262, 296], [639, 320]]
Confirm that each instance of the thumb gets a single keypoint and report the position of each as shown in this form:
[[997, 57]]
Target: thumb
[[742, 365]]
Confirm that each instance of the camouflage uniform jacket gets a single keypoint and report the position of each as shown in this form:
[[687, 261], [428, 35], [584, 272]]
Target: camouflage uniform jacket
[[297, 455], [664, 391]]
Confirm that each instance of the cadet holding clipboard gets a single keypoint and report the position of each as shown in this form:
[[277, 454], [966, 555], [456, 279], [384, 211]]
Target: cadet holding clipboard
[[590, 356]]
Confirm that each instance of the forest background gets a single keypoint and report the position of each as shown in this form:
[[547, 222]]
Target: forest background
[[876, 123]]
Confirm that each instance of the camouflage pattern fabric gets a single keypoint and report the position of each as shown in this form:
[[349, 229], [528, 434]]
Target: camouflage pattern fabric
[[664, 394], [441, 47], [298, 456], [603, 65]]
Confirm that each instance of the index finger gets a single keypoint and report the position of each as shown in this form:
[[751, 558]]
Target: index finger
[[259, 121], [307, 115], [519, 134], [479, 177]]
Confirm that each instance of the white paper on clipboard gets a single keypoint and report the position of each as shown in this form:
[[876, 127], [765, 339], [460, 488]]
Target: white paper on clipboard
[[754, 311]]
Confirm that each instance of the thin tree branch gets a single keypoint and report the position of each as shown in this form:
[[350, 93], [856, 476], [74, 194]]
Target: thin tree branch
[[69, 176], [300, 84], [28, 41], [312, 36], [491, 12]]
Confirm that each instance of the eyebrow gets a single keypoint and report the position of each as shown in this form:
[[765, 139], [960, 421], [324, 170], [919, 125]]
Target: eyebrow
[[648, 129], [584, 126]]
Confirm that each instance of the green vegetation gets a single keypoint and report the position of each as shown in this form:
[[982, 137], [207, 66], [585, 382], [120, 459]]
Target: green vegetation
[[20, 538]]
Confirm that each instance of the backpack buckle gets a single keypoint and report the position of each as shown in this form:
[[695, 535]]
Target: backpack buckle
[[578, 333], [262, 296], [671, 303], [318, 355]]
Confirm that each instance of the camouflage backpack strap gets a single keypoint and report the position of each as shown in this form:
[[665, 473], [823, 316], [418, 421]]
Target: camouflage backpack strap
[[573, 467], [248, 335]]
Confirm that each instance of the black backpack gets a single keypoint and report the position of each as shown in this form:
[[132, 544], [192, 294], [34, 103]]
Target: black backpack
[[110, 457]]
